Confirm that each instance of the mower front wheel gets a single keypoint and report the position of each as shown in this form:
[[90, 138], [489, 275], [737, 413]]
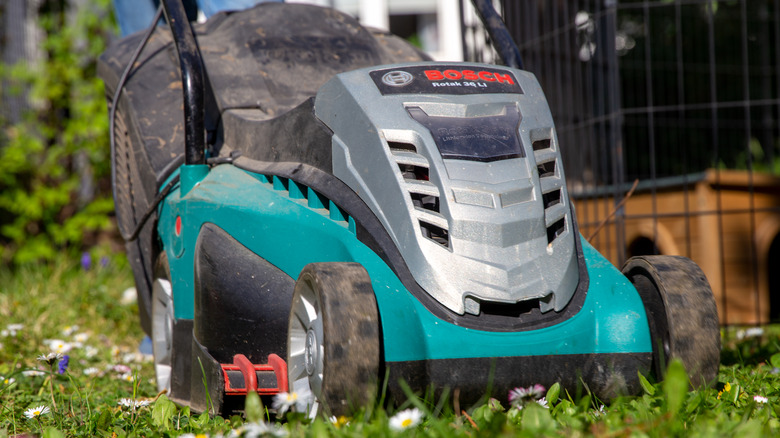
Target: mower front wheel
[[681, 313], [333, 338]]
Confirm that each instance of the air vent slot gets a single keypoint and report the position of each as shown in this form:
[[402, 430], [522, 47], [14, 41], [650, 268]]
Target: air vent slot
[[435, 233], [400, 146], [546, 169], [425, 202], [540, 145], [556, 229], [412, 172], [510, 310], [551, 198]]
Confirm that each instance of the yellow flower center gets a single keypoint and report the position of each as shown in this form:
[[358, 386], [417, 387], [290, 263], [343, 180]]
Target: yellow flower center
[[407, 422], [36, 413]]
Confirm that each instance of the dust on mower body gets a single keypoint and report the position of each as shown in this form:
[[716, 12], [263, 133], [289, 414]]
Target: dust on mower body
[[365, 212]]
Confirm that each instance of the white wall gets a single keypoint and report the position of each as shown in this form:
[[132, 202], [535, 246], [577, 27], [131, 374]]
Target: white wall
[[442, 36]]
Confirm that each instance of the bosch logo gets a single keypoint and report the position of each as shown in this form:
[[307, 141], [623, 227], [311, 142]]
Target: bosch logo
[[397, 78], [469, 75]]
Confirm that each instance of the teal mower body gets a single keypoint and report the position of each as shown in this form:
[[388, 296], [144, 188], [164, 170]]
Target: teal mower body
[[344, 213]]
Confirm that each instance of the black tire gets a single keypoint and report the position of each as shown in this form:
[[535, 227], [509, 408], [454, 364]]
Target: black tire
[[333, 337], [681, 312], [162, 320]]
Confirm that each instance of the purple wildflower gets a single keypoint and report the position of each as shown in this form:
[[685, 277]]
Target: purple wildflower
[[86, 261], [64, 364], [104, 261]]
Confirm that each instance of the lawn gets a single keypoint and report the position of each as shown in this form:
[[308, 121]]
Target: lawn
[[82, 310]]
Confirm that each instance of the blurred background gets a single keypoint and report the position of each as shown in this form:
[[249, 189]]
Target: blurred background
[[674, 102]]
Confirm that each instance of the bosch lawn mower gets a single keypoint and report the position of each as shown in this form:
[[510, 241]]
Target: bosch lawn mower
[[326, 209]]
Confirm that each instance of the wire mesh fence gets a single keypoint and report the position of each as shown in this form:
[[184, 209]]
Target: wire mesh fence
[[677, 103]]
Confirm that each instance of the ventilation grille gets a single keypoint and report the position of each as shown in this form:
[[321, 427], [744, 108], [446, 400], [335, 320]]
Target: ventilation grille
[[313, 199], [425, 195], [552, 188]]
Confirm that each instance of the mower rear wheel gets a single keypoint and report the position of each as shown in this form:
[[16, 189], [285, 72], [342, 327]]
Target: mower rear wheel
[[681, 313], [333, 338], [162, 325]]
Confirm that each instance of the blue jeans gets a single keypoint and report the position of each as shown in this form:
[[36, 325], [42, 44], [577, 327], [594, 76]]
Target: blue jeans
[[136, 15]]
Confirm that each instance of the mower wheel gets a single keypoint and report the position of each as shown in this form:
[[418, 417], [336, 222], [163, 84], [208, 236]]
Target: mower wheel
[[681, 313], [162, 324], [333, 338]]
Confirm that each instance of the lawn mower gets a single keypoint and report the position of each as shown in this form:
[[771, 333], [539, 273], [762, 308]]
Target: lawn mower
[[311, 205]]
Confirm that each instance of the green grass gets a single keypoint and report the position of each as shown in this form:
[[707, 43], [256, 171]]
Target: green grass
[[85, 400]]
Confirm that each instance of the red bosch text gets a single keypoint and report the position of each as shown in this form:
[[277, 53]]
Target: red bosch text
[[469, 75]]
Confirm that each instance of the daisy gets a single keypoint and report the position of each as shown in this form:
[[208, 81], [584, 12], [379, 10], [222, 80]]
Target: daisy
[[11, 330], [59, 346], [121, 369], [129, 296], [521, 395], [300, 401], [406, 419], [130, 403], [69, 330], [33, 373], [36, 412], [90, 371], [90, 351], [760, 399], [256, 430], [7, 381], [50, 358]]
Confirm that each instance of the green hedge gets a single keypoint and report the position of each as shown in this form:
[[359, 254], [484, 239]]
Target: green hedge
[[54, 164]]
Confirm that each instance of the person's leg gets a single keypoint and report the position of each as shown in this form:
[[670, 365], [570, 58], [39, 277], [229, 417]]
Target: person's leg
[[134, 15], [211, 7]]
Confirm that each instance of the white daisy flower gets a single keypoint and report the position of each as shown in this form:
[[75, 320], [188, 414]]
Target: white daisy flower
[[406, 419], [299, 401], [90, 351], [59, 346], [7, 381], [11, 330], [33, 373], [760, 399], [129, 296], [81, 338], [121, 369], [90, 371], [69, 330], [522, 395], [36, 412], [130, 403], [50, 358], [256, 430]]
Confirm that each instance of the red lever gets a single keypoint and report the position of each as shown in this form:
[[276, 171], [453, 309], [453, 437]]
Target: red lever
[[280, 370], [248, 371]]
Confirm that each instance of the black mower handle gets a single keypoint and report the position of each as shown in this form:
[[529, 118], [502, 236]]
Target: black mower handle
[[502, 41], [191, 79]]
